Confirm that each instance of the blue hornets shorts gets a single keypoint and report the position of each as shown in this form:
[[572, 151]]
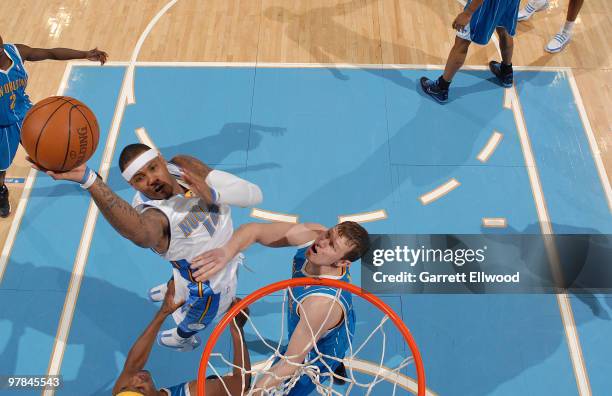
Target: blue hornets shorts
[[10, 136], [490, 15]]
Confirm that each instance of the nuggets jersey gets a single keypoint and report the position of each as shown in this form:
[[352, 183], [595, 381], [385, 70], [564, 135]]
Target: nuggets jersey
[[336, 341], [14, 102], [194, 229]]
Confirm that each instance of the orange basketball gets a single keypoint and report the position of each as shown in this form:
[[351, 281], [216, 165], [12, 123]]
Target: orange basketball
[[60, 133]]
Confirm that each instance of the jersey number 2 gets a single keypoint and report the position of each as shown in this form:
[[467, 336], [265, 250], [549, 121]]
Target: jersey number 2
[[13, 98]]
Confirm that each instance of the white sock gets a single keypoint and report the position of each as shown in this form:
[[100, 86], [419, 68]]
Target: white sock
[[567, 28], [537, 3]]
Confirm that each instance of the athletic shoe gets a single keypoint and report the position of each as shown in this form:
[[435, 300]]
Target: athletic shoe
[[433, 89], [558, 42], [340, 371], [170, 339], [157, 293], [5, 205], [505, 79], [531, 8]]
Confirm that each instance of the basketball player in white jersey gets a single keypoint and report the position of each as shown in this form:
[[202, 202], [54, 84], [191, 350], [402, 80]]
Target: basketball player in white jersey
[[181, 209]]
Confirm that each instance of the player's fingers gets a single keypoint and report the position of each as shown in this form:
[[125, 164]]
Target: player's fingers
[[187, 177], [196, 263], [51, 174], [205, 273], [203, 269], [203, 266], [201, 260], [35, 165]]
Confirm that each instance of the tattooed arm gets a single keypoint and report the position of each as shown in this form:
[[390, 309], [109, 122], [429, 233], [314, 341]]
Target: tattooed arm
[[149, 229]]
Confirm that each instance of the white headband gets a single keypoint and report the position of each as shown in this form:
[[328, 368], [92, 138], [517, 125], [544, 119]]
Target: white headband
[[138, 163]]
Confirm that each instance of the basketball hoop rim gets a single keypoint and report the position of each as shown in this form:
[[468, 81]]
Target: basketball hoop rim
[[269, 289]]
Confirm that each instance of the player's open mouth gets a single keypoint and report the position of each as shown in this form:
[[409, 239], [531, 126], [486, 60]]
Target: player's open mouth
[[313, 248], [158, 188]]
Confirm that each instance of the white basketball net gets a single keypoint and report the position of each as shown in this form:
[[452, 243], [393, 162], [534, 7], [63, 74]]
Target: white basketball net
[[322, 380]]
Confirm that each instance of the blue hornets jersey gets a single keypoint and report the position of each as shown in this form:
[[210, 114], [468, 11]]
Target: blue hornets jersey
[[336, 341], [14, 102], [178, 390]]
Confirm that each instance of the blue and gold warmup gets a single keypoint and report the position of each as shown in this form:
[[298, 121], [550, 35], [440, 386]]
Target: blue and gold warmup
[[489, 16], [14, 104]]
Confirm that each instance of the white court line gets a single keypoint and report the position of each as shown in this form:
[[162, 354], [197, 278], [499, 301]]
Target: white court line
[[507, 100], [364, 217], [494, 222], [144, 137], [439, 192], [364, 366], [367, 367], [490, 147], [290, 65], [603, 176], [273, 216], [25, 195], [76, 278], [571, 333], [582, 379]]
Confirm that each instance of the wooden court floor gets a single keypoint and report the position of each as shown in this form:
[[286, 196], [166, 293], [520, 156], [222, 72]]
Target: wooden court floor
[[309, 31]]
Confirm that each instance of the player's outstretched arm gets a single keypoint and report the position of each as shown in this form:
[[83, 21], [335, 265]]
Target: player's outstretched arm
[[209, 263], [216, 186], [235, 382], [148, 230], [139, 353], [37, 54], [317, 316]]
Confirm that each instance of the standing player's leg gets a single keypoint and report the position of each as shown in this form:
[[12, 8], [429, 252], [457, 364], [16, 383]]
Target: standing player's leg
[[505, 26], [239, 380], [531, 8], [503, 71], [561, 39], [9, 141], [438, 89]]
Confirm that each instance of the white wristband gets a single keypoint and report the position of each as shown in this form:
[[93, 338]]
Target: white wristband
[[90, 179]]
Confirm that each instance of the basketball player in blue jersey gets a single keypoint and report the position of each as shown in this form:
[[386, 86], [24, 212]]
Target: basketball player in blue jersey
[[180, 210], [476, 24], [15, 103], [135, 381], [324, 315]]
